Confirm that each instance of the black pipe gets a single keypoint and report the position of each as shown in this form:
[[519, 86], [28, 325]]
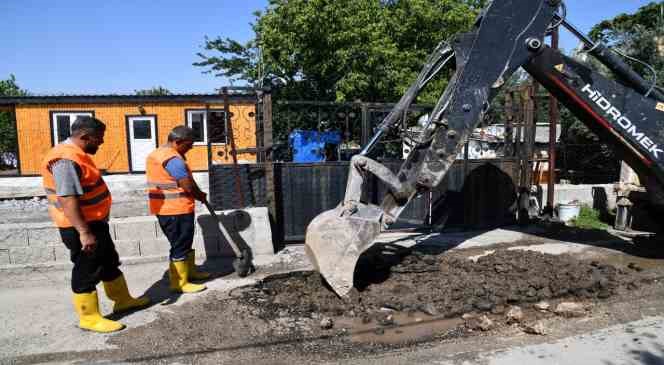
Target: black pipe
[[616, 64]]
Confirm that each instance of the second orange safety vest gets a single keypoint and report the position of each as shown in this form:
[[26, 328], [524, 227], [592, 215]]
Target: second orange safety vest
[[164, 194]]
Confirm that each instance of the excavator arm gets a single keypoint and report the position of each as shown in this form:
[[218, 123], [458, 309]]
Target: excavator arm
[[507, 35]]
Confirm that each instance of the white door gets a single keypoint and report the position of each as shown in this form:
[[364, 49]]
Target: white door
[[142, 140]]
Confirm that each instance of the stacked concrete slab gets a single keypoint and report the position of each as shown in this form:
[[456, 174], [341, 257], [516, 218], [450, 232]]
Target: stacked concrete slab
[[138, 237], [123, 187]]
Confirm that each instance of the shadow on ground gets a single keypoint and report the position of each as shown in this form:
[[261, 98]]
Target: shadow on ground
[[160, 294], [645, 357]]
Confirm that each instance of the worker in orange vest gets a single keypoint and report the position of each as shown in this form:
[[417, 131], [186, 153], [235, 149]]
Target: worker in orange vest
[[80, 204], [171, 192]]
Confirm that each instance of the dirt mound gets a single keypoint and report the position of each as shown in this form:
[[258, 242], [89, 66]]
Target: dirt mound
[[446, 285], [405, 297]]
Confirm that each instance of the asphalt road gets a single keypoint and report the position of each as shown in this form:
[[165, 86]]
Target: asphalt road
[[39, 323]]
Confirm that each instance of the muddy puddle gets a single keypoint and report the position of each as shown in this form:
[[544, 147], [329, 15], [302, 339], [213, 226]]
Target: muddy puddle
[[402, 328]]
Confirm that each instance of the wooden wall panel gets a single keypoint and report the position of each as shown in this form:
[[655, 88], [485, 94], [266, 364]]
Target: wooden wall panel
[[34, 132], [34, 136]]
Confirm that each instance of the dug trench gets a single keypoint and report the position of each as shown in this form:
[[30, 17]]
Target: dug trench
[[403, 298]]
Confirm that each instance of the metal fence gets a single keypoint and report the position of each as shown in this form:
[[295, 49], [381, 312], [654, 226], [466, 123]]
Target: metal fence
[[476, 194], [356, 121], [479, 191]]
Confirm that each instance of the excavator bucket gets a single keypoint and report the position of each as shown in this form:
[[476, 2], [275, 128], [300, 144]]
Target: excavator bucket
[[335, 240]]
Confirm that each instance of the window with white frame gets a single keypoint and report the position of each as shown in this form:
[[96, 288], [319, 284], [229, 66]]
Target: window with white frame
[[207, 124], [61, 124]]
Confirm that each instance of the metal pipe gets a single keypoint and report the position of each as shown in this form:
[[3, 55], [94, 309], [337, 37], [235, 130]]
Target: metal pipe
[[615, 63], [374, 141], [577, 33]]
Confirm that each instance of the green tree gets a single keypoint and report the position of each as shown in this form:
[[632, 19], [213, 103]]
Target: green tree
[[8, 142], [639, 35], [340, 50], [154, 91]]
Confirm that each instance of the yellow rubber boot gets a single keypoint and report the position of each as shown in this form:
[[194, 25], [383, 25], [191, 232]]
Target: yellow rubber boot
[[179, 277], [193, 273], [118, 292], [87, 307]]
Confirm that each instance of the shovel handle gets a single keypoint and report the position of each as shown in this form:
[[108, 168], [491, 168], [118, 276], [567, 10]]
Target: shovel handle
[[209, 208], [223, 230]]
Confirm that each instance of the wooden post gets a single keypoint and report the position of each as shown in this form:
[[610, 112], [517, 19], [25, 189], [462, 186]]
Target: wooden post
[[528, 123], [267, 126], [509, 132], [553, 129], [271, 170]]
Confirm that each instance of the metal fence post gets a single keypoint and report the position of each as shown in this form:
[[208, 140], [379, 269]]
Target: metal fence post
[[366, 126], [230, 137]]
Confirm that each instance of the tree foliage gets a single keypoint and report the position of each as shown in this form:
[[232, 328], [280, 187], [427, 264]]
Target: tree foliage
[[154, 91], [639, 35], [340, 50], [8, 143]]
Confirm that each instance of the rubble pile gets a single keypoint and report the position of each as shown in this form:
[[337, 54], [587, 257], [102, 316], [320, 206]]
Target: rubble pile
[[444, 285]]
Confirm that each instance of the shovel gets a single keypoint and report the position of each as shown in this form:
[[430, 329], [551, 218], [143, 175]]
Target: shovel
[[242, 263]]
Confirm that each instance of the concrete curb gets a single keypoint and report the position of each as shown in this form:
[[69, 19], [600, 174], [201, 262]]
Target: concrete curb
[[39, 243], [119, 185]]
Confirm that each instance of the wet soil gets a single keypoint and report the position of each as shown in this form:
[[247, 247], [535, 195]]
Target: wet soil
[[446, 285], [404, 297]]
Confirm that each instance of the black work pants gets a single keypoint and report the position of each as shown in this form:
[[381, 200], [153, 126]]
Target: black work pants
[[90, 268], [179, 229]]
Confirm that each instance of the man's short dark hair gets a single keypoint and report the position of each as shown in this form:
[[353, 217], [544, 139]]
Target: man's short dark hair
[[87, 125], [181, 133]]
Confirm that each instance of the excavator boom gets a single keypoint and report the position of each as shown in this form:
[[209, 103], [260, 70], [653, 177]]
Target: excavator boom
[[507, 35]]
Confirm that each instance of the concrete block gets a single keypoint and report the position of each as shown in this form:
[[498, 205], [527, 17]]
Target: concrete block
[[143, 229], [248, 227], [43, 236], [258, 232], [127, 248], [21, 187], [158, 232], [62, 253], [584, 194], [4, 257], [13, 237], [31, 255], [154, 247]]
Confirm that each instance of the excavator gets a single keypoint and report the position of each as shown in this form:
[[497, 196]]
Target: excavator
[[626, 111]]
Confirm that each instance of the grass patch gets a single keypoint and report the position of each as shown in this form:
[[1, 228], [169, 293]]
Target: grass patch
[[589, 218]]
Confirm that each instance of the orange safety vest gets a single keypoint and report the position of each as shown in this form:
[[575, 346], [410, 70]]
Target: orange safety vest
[[95, 203], [166, 197]]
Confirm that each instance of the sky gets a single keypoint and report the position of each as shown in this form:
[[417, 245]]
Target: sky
[[116, 47]]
